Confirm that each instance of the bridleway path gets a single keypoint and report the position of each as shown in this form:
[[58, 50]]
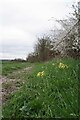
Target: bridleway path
[[9, 85]]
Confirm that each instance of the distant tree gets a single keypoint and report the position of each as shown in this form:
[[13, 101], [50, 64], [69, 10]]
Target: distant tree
[[18, 60], [43, 48], [65, 41], [30, 57], [70, 42]]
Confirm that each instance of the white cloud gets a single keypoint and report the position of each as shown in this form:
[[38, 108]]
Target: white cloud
[[22, 20], [14, 36]]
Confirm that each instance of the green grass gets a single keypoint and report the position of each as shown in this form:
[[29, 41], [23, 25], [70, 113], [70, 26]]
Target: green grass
[[10, 66], [53, 95]]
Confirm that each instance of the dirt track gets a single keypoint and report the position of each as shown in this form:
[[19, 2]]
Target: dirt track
[[9, 85]]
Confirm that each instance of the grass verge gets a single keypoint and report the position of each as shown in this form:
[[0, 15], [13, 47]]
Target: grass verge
[[51, 94]]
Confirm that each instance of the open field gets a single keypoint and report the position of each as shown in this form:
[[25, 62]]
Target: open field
[[44, 90], [9, 66]]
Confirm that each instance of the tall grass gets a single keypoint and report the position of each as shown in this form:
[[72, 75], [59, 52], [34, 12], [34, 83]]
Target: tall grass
[[54, 94]]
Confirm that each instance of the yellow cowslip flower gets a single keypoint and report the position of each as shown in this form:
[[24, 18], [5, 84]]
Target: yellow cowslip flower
[[62, 66], [40, 74]]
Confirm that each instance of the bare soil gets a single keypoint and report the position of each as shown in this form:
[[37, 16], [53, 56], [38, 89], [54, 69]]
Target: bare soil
[[11, 83]]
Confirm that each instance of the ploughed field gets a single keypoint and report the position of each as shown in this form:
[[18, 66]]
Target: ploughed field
[[40, 90]]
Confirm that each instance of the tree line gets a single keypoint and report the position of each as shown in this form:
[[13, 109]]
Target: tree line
[[64, 42]]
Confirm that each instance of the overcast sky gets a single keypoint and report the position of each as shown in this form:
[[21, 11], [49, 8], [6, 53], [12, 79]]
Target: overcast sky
[[22, 21]]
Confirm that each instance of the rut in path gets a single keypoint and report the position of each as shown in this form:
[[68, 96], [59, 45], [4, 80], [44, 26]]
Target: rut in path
[[9, 85]]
